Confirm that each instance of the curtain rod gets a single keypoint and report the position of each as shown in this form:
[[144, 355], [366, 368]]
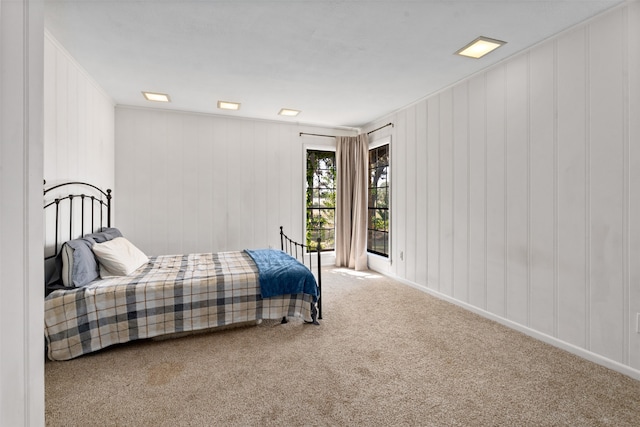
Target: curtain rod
[[333, 136], [381, 127], [317, 134]]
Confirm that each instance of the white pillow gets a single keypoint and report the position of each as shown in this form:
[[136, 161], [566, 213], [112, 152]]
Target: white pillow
[[119, 257]]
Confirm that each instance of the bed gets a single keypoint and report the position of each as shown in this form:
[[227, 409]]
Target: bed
[[102, 290]]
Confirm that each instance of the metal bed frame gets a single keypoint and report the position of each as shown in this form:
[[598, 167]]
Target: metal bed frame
[[291, 247], [95, 200], [101, 201]]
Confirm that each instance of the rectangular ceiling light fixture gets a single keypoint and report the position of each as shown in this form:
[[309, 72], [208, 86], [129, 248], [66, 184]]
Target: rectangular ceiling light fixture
[[226, 105], [158, 97], [480, 47], [288, 112]]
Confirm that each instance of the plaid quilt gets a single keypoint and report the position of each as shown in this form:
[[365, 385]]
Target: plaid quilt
[[172, 293]]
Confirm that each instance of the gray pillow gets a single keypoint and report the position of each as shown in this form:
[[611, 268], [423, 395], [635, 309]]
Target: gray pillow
[[104, 235], [79, 265]]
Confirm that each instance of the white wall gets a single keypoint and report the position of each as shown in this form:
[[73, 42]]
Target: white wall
[[517, 192], [203, 183], [79, 122], [21, 270], [79, 136]]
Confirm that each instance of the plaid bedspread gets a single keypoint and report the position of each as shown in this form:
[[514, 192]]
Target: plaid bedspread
[[172, 293]]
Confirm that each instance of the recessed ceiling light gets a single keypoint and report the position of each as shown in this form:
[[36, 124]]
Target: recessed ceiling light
[[288, 112], [480, 47], [226, 105], [159, 97]]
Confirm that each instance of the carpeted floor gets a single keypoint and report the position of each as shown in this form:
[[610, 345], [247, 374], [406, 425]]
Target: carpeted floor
[[385, 354]]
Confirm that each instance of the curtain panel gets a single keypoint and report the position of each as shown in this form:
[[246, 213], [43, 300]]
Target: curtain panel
[[352, 157]]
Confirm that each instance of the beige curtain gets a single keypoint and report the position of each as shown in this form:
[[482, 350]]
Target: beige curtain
[[352, 158]]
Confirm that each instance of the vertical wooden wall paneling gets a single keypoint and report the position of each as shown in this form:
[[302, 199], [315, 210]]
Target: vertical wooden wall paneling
[[62, 119], [477, 192], [72, 125], [50, 88], [158, 184], [496, 192], [433, 192], [144, 181], [421, 195], [297, 176], [81, 128], [235, 173], [626, 285], [606, 185], [446, 192], [177, 167], [552, 193], [542, 182], [633, 112], [399, 194], [192, 161], [572, 183], [205, 151], [555, 172], [587, 189], [273, 179], [625, 191], [460, 173], [287, 184], [247, 179], [220, 184], [125, 150], [411, 194], [261, 167], [517, 189], [78, 127]]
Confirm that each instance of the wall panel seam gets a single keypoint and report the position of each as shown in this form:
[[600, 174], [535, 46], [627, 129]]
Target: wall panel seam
[[468, 212], [556, 295], [427, 219], [439, 142], [587, 141], [505, 187], [453, 193], [486, 185], [528, 142], [626, 300]]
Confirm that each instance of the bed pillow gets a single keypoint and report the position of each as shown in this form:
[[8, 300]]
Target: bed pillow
[[79, 265], [118, 257], [105, 234]]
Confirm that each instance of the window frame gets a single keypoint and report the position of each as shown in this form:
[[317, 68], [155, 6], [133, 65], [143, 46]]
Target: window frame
[[373, 145], [306, 149]]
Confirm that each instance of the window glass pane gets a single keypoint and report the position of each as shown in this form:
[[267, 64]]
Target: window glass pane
[[378, 216], [320, 199], [382, 198], [383, 154]]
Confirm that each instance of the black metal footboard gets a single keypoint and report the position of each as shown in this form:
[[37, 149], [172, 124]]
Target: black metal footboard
[[298, 251]]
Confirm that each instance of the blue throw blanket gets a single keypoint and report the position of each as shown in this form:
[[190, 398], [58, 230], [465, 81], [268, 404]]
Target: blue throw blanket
[[281, 274]]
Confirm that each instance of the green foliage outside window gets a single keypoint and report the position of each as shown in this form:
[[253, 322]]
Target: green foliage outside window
[[321, 199], [378, 217]]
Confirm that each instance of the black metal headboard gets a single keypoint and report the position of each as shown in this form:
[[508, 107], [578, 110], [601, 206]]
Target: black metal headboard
[[97, 204]]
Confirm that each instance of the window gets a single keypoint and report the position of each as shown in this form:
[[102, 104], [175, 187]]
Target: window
[[321, 199], [378, 212]]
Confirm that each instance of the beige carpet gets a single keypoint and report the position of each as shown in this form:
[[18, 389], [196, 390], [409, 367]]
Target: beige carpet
[[385, 354]]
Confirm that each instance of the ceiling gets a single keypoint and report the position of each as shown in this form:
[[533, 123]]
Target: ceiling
[[342, 62]]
